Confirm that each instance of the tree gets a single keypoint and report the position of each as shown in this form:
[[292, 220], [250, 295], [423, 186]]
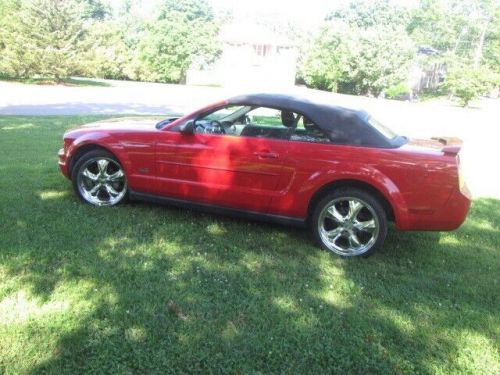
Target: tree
[[44, 38], [184, 33], [491, 50], [186, 10], [467, 33], [461, 29], [433, 24], [7, 8], [357, 53], [109, 56], [361, 14], [95, 9], [323, 63], [378, 58], [366, 47], [467, 83]]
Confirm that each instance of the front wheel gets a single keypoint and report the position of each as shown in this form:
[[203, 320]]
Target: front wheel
[[349, 222], [99, 179]]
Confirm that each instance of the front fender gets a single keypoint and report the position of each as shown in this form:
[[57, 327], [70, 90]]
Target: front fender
[[102, 140]]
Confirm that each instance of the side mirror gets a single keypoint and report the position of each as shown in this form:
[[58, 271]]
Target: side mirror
[[188, 128]]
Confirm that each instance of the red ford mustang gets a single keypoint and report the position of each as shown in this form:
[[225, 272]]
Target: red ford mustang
[[280, 158]]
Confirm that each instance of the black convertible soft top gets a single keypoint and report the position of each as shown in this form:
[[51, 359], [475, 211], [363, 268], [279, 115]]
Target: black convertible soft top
[[342, 125], [315, 110]]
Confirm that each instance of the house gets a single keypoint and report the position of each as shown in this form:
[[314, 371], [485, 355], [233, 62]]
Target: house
[[252, 56], [428, 70]]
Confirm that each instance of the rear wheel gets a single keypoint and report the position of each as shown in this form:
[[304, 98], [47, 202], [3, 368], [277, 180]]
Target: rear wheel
[[99, 179], [349, 222]]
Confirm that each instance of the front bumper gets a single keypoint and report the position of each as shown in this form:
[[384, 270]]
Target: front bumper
[[63, 163]]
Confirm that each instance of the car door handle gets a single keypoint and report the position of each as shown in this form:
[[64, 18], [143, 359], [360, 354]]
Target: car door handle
[[266, 154]]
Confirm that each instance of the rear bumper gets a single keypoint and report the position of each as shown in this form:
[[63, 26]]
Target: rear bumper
[[449, 217], [63, 165]]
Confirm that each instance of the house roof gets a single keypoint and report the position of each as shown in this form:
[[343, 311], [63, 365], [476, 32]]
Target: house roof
[[429, 51]]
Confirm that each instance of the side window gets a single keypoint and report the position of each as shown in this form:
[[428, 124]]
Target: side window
[[223, 113], [265, 117], [308, 131], [248, 121], [228, 120], [270, 123]]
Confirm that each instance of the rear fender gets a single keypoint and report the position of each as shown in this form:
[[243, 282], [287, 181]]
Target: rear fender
[[378, 181]]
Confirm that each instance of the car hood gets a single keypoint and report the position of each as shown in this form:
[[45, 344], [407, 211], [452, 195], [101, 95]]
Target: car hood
[[124, 123]]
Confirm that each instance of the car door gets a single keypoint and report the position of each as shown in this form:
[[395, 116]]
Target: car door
[[308, 150], [231, 170]]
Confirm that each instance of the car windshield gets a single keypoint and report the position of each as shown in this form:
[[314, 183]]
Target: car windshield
[[228, 113], [381, 128]]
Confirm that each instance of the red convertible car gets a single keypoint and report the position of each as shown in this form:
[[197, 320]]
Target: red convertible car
[[276, 157]]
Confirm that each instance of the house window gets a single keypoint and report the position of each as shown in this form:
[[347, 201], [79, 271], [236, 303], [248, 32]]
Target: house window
[[262, 50]]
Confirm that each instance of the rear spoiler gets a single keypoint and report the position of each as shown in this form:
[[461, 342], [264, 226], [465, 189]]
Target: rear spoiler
[[451, 145]]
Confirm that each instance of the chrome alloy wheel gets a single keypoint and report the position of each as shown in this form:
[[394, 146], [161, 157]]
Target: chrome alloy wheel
[[101, 181], [348, 226]]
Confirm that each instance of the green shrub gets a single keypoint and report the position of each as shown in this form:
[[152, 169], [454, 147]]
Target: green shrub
[[397, 91], [467, 84]]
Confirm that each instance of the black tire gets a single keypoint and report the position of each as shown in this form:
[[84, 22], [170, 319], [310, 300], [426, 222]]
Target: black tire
[[349, 222], [99, 179]]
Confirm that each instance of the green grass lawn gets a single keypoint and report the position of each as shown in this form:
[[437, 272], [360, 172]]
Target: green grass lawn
[[80, 82], [153, 289]]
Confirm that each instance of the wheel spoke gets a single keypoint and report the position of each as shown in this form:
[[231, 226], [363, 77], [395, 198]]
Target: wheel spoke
[[354, 208], [354, 241], [335, 239], [366, 226], [111, 191], [95, 190], [334, 233], [90, 175], [334, 214], [118, 175], [102, 164]]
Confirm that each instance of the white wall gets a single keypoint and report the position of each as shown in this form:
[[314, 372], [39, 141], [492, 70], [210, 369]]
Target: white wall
[[241, 66]]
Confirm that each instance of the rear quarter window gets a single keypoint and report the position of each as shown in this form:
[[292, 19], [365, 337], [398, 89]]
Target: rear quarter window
[[381, 128]]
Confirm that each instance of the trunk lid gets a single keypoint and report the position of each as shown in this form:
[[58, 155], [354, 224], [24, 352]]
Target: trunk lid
[[450, 145], [446, 145]]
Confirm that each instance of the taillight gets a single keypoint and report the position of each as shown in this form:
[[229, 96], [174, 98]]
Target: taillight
[[461, 179]]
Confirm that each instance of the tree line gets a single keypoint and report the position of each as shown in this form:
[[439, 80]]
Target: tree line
[[371, 47], [365, 48], [60, 38]]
